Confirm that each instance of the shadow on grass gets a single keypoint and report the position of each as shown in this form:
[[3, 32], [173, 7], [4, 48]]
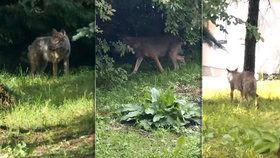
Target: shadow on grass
[[74, 141]]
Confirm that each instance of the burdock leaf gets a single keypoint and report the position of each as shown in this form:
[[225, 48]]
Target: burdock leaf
[[154, 94]]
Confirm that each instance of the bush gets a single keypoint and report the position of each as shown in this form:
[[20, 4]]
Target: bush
[[162, 109], [106, 72]]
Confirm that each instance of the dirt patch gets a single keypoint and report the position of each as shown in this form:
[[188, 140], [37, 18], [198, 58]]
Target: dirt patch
[[52, 143], [67, 146], [189, 91]]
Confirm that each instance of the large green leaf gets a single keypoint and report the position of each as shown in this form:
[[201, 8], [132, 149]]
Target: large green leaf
[[154, 94], [181, 102], [157, 117], [131, 107], [170, 120], [167, 98], [145, 124], [149, 111], [131, 115]]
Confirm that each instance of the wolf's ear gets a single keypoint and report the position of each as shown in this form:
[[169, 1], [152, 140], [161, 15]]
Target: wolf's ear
[[228, 70], [236, 69], [54, 30], [63, 31]]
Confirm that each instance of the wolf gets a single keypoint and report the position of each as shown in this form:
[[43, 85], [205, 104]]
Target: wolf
[[245, 82], [52, 49], [155, 47]]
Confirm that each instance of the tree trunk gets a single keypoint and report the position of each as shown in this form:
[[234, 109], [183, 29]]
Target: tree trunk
[[250, 40]]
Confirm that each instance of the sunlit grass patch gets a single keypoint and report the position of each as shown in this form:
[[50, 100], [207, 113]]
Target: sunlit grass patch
[[229, 128], [122, 142], [40, 116]]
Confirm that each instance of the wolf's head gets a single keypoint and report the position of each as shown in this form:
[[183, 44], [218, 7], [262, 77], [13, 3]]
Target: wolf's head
[[58, 39], [231, 74]]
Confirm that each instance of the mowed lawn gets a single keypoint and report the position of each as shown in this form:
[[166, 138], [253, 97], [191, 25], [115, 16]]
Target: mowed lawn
[[50, 117], [116, 140], [238, 129]]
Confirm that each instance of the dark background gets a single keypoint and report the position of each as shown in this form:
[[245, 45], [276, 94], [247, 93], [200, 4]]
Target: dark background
[[24, 20], [137, 18]]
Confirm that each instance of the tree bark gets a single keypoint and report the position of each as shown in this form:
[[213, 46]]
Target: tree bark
[[250, 40]]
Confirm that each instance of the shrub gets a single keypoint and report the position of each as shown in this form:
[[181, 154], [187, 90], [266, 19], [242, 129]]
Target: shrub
[[162, 109], [106, 72]]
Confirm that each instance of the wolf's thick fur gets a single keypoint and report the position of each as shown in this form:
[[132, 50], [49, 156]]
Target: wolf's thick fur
[[49, 49], [155, 47], [244, 81]]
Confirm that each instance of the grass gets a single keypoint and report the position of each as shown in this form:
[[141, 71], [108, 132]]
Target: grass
[[120, 140], [228, 127], [51, 117], [125, 141]]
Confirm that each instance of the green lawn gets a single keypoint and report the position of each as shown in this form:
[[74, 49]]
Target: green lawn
[[51, 117], [117, 140], [238, 129]]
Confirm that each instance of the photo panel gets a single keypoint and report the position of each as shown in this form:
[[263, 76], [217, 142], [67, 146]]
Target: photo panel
[[148, 78], [240, 79], [47, 78]]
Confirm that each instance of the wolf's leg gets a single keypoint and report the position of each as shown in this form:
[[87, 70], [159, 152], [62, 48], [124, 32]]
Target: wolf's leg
[[246, 96], [43, 65], [231, 95], [246, 93], [33, 69], [158, 64], [174, 62], [242, 95], [255, 99], [32, 66], [181, 58], [34, 60], [174, 56], [137, 64], [66, 65], [55, 68]]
